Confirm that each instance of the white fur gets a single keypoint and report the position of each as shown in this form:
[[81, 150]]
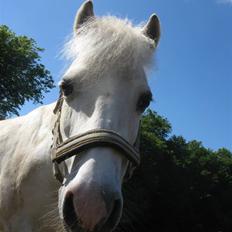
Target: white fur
[[109, 42], [108, 59]]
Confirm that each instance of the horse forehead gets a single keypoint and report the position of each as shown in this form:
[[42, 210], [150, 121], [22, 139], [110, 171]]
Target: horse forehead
[[83, 74]]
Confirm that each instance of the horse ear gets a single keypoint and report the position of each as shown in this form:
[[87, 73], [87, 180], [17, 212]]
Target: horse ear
[[152, 28], [83, 14]]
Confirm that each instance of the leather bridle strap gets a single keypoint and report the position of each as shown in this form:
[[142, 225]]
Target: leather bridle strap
[[95, 138], [73, 146]]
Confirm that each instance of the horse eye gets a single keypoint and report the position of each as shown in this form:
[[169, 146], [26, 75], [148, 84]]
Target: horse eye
[[144, 101], [66, 87]]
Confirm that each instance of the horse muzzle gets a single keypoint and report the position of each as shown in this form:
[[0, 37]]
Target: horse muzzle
[[91, 207]]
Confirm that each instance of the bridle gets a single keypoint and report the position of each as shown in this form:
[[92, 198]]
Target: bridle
[[64, 149]]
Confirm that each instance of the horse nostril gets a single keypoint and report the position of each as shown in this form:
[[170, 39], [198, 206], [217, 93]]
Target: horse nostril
[[115, 214], [69, 211], [113, 217]]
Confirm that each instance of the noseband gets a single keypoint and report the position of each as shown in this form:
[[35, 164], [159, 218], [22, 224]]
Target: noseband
[[62, 150]]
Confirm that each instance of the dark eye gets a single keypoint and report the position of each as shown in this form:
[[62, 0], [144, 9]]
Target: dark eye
[[66, 87], [144, 101]]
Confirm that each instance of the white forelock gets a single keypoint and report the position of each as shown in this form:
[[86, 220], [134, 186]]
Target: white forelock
[[108, 42]]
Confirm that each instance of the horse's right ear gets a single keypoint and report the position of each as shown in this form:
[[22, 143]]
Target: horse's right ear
[[83, 14]]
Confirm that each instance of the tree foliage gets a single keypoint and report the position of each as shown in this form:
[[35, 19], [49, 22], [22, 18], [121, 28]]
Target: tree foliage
[[22, 75], [180, 186]]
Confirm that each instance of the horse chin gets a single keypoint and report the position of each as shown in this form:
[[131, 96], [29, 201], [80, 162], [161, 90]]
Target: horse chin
[[106, 225]]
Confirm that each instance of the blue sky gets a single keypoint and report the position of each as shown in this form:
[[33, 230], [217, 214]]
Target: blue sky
[[192, 80]]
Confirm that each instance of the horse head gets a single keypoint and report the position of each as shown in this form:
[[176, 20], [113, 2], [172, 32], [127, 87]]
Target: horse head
[[103, 94]]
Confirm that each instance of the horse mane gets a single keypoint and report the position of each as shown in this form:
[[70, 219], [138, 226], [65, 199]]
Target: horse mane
[[108, 42]]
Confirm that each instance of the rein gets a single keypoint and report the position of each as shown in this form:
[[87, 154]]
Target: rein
[[62, 150]]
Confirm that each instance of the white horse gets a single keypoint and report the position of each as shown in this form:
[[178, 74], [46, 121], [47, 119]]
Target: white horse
[[85, 139]]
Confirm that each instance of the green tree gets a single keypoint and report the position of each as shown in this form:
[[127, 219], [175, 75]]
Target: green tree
[[22, 76], [180, 186]]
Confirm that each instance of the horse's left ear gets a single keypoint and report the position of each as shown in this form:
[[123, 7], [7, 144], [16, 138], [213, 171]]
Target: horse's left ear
[[83, 14], [152, 28]]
